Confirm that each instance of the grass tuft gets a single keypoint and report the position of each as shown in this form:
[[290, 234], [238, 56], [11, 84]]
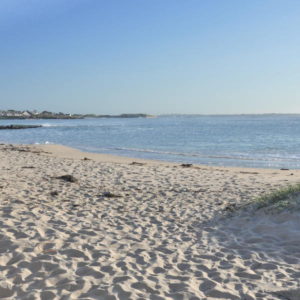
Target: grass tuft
[[285, 198]]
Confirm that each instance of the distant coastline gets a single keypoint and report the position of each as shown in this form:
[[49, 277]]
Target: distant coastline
[[26, 114]]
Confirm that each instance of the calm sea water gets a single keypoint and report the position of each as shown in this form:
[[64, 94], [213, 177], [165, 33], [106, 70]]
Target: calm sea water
[[269, 141]]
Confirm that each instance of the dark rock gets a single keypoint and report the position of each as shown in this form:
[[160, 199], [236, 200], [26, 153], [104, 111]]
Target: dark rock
[[68, 178], [284, 169], [19, 126]]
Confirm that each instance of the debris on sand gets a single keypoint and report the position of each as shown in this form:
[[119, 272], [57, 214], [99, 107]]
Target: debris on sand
[[135, 163], [68, 178], [186, 165], [54, 193], [110, 195]]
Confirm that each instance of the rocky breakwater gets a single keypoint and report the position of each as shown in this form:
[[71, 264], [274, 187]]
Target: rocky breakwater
[[19, 126]]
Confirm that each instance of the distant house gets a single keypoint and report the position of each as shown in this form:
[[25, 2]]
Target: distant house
[[26, 114]]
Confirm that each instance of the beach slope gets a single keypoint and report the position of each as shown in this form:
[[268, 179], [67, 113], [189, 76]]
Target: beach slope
[[78, 225]]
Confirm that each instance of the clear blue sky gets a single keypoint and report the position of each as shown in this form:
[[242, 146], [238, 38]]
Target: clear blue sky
[[152, 56]]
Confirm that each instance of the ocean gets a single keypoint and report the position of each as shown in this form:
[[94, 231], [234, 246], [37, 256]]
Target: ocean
[[266, 141]]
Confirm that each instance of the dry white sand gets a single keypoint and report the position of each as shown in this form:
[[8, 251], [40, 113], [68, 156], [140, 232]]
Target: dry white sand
[[164, 237]]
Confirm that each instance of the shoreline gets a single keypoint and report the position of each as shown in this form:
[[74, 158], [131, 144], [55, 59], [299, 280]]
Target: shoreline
[[104, 228], [242, 148], [74, 153]]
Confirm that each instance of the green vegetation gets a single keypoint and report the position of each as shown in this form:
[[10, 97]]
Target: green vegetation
[[285, 198]]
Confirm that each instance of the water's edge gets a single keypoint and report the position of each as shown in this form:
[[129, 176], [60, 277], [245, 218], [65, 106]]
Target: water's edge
[[239, 141]]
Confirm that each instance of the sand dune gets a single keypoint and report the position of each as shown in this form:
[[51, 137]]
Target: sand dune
[[151, 230]]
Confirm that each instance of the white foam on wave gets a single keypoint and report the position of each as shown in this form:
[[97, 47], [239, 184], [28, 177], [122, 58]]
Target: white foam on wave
[[49, 125], [45, 143]]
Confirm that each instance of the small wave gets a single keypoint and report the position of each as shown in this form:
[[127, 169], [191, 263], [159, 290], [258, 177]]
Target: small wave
[[52, 125], [43, 143], [245, 157], [151, 151]]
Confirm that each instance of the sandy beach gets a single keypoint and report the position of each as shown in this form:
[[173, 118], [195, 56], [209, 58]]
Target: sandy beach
[[121, 228]]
